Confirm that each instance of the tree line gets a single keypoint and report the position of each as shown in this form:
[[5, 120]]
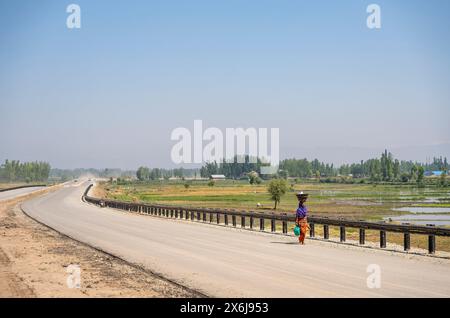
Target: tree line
[[385, 168], [145, 173], [16, 171], [234, 169]]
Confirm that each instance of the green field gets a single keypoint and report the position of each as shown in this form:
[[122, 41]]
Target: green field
[[371, 202], [354, 201]]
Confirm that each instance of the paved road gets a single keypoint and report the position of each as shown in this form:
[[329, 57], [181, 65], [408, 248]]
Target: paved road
[[229, 262], [11, 194]]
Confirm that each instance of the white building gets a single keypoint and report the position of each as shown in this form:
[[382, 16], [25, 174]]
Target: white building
[[218, 177]]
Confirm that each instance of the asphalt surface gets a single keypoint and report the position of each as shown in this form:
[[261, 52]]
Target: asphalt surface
[[11, 194], [227, 262]]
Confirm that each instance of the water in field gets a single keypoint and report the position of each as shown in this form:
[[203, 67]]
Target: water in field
[[423, 210], [423, 216], [421, 219]]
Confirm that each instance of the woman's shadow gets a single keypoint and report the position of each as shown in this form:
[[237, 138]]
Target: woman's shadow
[[286, 243]]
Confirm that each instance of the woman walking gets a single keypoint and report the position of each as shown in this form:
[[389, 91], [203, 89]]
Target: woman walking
[[301, 218]]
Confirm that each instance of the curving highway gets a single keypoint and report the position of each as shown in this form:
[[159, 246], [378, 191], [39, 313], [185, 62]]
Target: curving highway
[[227, 262]]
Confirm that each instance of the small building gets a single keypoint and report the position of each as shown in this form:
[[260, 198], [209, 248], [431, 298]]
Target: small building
[[435, 173], [217, 177]]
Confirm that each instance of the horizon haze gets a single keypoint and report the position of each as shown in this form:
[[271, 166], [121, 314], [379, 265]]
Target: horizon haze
[[110, 93]]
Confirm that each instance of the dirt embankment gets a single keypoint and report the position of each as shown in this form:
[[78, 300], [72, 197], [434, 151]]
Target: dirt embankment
[[34, 261]]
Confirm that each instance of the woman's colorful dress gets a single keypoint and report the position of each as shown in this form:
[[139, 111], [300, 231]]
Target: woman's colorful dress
[[302, 222]]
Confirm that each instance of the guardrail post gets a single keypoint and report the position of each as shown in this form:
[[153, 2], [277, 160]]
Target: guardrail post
[[172, 212], [383, 239], [362, 236], [251, 222], [218, 218], [406, 241], [225, 218], [243, 221], [326, 231], [272, 225], [431, 242], [233, 219], [192, 215], [342, 233], [285, 227], [261, 224], [312, 230], [211, 217], [198, 216]]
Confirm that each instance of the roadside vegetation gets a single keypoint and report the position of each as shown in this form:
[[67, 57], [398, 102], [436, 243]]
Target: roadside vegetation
[[14, 173]]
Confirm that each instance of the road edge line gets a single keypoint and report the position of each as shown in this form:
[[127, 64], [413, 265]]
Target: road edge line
[[198, 293]]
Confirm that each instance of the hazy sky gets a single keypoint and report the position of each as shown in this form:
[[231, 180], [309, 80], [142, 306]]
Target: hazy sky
[[109, 94]]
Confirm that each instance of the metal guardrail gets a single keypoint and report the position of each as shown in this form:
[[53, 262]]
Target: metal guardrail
[[23, 186], [209, 215]]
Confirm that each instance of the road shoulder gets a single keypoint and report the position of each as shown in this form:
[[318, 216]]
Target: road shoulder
[[34, 261]]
